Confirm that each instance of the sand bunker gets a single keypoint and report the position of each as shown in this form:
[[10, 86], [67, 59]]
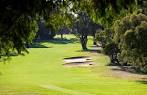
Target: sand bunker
[[78, 61]]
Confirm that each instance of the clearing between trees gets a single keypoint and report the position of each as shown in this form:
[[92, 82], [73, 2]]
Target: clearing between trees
[[41, 72]]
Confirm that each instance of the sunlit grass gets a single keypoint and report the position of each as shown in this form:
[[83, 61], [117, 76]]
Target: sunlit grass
[[27, 75]]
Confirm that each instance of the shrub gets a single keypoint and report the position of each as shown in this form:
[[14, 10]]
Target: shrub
[[130, 33], [104, 36]]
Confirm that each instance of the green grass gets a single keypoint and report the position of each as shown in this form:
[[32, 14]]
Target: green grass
[[41, 73]]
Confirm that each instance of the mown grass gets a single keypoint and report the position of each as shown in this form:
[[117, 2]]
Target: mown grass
[[41, 73]]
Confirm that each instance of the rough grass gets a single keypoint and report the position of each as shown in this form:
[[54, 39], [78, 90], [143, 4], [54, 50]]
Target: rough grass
[[41, 73]]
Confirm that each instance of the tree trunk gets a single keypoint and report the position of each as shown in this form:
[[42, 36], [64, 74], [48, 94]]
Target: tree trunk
[[94, 42], [114, 59], [83, 40], [27, 45], [61, 36]]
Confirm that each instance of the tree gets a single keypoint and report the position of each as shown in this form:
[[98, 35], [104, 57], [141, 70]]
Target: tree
[[81, 28], [59, 20], [130, 34], [44, 32], [94, 27], [143, 6], [108, 11], [18, 22], [104, 36]]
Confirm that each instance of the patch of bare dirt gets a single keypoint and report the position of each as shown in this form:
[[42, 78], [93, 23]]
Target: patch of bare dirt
[[123, 73]]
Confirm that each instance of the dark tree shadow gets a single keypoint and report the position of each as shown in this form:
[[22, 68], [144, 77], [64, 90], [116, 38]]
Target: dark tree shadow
[[142, 81], [1, 73], [13, 54], [90, 51], [94, 50], [77, 57], [128, 69], [64, 41], [37, 45], [60, 41]]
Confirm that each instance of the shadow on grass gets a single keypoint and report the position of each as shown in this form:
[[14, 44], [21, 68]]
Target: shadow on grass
[[64, 41], [128, 69], [1, 73], [37, 45], [59, 41], [142, 81], [90, 51], [77, 57], [13, 54]]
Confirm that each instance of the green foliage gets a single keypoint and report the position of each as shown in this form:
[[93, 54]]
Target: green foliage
[[110, 10], [81, 28], [22, 32], [143, 6], [18, 22], [131, 37], [104, 36], [44, 33], [110, 49], [58, 20]]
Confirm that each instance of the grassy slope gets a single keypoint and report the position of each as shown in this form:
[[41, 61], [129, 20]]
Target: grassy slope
[[41, 73]]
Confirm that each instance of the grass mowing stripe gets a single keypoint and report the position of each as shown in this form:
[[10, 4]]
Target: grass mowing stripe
[[68, 91]]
